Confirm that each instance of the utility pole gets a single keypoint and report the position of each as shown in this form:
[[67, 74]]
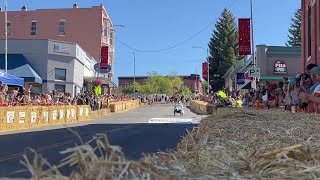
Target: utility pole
[[6, 36], [252, 41], [208, 71], [134, 75]]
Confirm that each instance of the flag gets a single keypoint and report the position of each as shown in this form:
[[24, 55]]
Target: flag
[[244, 36], [104, 57], [205, 71]]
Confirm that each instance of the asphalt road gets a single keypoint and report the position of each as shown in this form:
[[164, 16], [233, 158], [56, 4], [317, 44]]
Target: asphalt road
[[128, 130]]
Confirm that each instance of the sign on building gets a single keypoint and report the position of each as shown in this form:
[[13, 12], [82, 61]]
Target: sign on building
[[61, 48], [280, 67], [104, 57], [254, 83], [254, 72], [240, 78], [244, 36]]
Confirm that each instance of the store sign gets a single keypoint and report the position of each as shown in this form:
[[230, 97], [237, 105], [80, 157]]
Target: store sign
[[240, 78], [61, 48], [254, 72], [280, 67]]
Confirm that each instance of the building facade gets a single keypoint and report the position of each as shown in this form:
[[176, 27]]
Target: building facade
[[310, 32], [87, 27], [52, 65], [193, 82], [275, 62]]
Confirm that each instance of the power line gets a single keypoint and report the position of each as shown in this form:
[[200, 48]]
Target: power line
[[174, 46]]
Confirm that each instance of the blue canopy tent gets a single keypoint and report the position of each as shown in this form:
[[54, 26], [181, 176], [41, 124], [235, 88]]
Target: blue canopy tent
[[9, 79]]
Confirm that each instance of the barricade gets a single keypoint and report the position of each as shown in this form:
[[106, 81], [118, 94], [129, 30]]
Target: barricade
[[35, 116], [73, 114], [53, 114], [202, 107], [44, 116], [124, 105], [83, 113], [22, 117]]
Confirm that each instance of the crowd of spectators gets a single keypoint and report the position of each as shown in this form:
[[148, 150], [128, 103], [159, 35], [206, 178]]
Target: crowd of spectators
[[296, 94], [20, 96]]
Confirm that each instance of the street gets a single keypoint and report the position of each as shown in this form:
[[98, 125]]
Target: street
[[128, 130]]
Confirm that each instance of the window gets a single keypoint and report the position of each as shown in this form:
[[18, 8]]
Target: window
[[62, 27], [33, 28], [111, 38], [309, 31], [105, 28], [8, 28], [126, 85], [60, 74], [60, 88]]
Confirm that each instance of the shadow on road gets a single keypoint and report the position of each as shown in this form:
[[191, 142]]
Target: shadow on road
[[135, 139]]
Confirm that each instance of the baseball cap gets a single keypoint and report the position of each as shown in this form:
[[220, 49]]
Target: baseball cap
[[315, 70]]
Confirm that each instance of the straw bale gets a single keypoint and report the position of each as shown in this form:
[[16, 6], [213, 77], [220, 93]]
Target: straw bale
[[246, 144]]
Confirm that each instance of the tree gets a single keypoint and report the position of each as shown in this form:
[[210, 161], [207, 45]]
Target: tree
[[134, 86], [294, 30], [223, 48], [158, 84], [186, 91]]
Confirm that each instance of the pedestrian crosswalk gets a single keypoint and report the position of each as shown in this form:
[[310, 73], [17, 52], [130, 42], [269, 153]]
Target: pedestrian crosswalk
[[170, 121]]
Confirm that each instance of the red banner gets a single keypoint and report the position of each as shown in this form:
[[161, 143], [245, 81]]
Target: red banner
[[244, 36], [104, 57], [205, 71]]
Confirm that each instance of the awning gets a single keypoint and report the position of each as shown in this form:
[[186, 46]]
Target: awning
[[9, 79], [19, 66], [271, 78], [104, 81]]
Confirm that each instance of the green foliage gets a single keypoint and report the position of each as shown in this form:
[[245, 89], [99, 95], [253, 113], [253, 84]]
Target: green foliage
[[134, 86], [186, 91], [158, 84], [223, 48], [294, 30]]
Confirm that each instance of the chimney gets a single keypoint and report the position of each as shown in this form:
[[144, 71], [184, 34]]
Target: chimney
[[24, 8], [75, 5]]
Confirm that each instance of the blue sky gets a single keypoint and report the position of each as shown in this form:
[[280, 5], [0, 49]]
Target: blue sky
[[159, 24]]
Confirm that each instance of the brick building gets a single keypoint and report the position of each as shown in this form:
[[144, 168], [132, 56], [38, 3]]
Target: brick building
[[310, 32], [193, 81], [87, 27]]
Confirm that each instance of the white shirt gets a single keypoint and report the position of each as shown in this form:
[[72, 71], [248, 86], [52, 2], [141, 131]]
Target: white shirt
[[317, 89]]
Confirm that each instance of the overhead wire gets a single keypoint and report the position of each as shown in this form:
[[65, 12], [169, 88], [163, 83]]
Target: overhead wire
[[176, 45]]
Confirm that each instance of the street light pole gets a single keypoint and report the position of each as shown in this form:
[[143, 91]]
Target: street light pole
[[252, 41], [207, 50], [6, 36], [134, 75]]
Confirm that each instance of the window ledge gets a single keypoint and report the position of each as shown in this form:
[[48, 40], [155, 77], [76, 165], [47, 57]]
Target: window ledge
[[309, 58]]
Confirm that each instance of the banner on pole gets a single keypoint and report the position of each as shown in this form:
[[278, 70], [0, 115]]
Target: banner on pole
[[244, 36], [104, 58], [205, 71]]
